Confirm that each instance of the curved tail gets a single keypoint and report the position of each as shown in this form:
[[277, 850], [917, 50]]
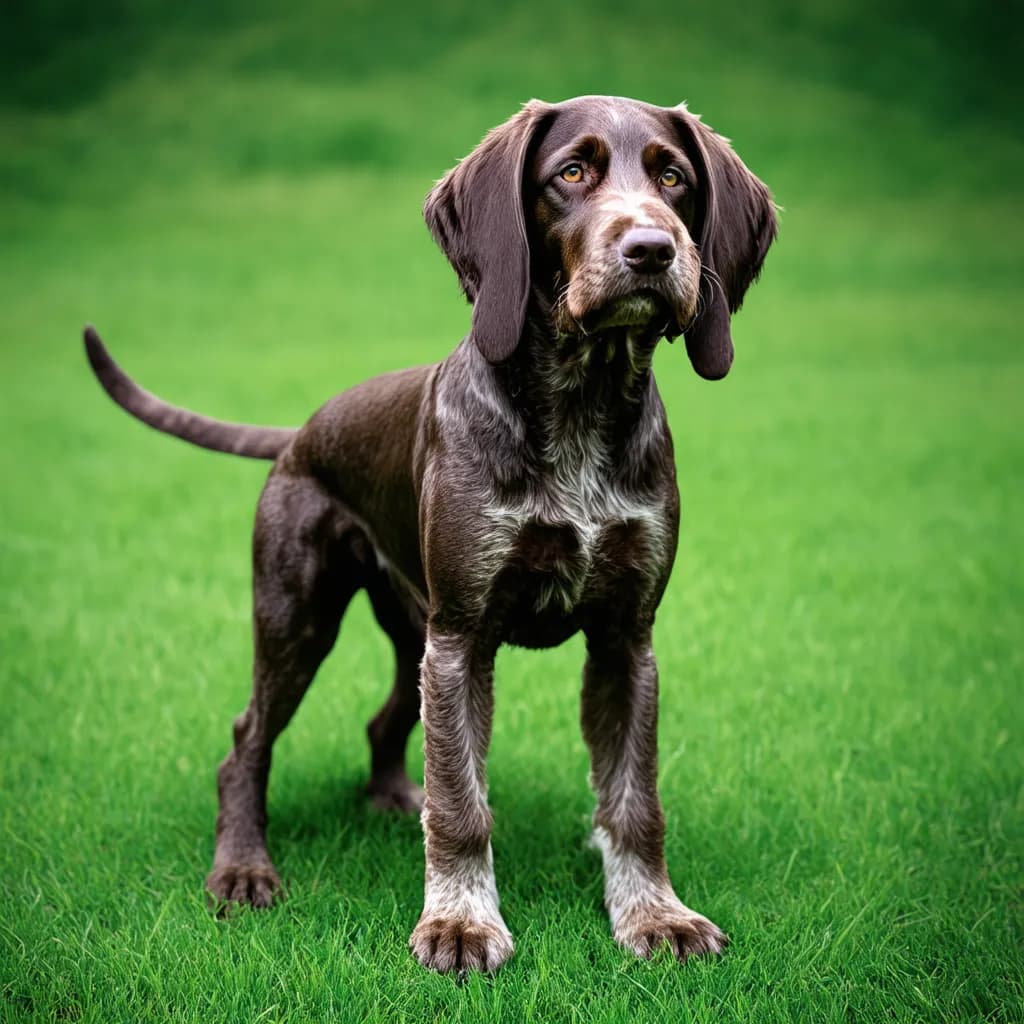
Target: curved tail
[[234, 438]]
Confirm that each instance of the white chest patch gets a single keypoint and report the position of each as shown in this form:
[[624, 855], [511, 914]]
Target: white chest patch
[[578, 493]]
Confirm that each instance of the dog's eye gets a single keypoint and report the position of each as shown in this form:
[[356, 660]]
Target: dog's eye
[[572, 174], [670, 177]]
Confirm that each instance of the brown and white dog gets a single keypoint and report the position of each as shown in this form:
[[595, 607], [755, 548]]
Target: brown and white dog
[[519, 491]]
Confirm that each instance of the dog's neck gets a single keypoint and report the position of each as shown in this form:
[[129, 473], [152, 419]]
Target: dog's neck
[[580, 394]]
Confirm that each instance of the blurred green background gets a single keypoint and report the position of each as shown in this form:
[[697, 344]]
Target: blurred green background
[[231, 193]]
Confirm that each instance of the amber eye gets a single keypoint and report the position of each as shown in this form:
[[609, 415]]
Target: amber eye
[[572, 174], [670, 177]]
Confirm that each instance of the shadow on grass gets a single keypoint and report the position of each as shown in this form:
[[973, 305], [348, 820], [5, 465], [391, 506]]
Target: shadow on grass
[[543, 857]]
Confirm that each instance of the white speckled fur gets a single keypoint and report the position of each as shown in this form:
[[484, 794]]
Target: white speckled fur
[[469, 893], [638, 205], [643, 905]]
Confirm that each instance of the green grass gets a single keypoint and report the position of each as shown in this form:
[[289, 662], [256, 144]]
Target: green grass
[[234, 200]]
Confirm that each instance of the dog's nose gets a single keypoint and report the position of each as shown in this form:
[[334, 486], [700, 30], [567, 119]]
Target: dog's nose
[[647, 250]]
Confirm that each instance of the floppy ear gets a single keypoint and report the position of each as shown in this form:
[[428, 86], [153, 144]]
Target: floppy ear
[[475, 213], [735, 224]]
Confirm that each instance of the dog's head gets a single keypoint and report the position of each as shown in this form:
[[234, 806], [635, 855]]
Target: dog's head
[[620, 213]]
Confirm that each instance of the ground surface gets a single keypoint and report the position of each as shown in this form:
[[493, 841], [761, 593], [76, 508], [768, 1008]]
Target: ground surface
[[234, 201]]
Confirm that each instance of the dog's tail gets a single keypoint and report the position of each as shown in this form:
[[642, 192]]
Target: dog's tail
[[234, 438]]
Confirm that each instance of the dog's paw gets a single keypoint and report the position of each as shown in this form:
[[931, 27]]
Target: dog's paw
[[687, 933], [398, 794], [255, 885], [460, 944]]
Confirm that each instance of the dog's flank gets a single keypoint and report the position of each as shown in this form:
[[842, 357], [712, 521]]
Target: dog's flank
[[520, 491], [216, 435]]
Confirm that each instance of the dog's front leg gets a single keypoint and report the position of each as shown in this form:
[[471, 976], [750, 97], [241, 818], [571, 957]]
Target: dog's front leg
[[620, 720], [460, 927]]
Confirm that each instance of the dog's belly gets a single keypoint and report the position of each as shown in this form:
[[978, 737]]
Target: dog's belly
[[561, 576], [546, 628]]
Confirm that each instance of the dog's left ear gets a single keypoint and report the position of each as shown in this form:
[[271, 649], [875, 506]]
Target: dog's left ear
[[735, 224], [475, 213]]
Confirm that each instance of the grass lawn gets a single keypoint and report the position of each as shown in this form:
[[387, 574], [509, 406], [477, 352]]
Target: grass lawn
[[233, 199]]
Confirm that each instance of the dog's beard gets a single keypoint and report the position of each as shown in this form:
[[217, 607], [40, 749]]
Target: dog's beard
[[640, 309], [592, 304]]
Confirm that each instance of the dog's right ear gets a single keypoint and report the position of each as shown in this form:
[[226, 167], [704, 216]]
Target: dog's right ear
[[475, 213]]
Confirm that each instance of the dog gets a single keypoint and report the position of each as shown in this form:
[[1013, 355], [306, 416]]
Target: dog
[[519, 491]]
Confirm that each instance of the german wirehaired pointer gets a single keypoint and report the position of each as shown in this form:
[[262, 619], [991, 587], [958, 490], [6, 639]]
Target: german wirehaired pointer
[[517, 492]]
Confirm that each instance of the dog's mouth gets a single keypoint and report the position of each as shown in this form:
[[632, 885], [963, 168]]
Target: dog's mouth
[[646, 308]]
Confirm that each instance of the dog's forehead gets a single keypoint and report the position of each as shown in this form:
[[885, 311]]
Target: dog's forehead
[[624, 124]]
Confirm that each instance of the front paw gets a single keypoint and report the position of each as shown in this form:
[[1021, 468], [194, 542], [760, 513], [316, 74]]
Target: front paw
[[460, 943], [645, 928]]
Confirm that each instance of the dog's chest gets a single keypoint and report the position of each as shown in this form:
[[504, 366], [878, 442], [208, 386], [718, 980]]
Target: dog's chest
[[579, 540]]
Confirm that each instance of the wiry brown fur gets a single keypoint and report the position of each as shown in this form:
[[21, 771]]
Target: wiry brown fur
[[518, 492]]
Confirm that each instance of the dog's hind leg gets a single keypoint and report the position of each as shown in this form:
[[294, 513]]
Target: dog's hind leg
[[400, 617], [309, 559]]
